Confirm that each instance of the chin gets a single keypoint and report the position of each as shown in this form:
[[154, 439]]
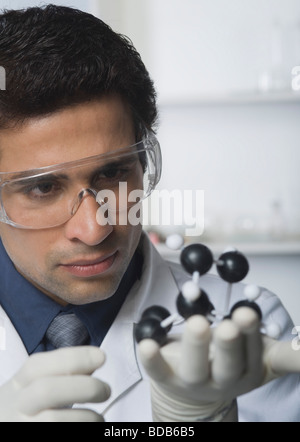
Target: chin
[[87, 293], [88, 299]]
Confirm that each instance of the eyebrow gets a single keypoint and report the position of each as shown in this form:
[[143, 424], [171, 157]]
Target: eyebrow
[[27, 174], [23, 177], [118, 163], [22, 180]]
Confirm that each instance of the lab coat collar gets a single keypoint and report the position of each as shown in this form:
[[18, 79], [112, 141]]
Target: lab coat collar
[[155, 285], [121, 370], [13, 353]]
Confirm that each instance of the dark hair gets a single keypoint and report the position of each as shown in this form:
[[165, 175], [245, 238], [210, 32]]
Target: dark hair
[[57, 57]]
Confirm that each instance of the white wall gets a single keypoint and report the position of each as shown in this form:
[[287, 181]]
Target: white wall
[[210, 46], [244, 157]]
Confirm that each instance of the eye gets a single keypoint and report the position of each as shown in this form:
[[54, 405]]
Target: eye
[[112, 173], [42, 190], [110, 176]]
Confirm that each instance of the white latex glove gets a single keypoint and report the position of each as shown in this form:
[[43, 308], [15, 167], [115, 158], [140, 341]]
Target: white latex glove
[[198, 376], [49, 383]]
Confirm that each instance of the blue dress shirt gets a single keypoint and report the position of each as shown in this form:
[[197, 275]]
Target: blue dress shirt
[[31, 311]]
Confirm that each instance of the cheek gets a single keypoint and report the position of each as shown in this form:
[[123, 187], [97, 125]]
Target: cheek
[[27, 249], [130, 233], [127, 239]]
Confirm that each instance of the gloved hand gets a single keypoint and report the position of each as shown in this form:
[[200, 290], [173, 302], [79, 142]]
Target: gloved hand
[[198, 376], [50, 383]]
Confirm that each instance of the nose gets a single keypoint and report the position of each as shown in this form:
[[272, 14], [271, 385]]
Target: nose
[[83, 225]]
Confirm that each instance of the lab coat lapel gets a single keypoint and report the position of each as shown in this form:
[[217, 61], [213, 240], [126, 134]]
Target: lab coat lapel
[[12, 350], [121, 370], [156, 285]]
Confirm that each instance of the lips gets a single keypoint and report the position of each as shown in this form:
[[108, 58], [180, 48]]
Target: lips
[[89, 268]]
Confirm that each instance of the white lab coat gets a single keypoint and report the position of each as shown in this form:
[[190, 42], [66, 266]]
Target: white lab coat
[[130, 400]]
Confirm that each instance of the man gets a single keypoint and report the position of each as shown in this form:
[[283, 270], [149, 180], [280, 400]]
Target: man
[[77, 119]]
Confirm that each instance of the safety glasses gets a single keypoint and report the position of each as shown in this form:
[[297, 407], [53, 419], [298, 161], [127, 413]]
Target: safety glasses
[[50, 196]]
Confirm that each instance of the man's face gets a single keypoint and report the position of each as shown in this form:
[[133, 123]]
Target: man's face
[[79, 262]]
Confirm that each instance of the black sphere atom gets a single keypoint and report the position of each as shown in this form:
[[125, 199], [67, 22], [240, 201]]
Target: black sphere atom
[[158, 313], [201, 306], [249, 304], [233, 266], [196, 258], [150, 329]]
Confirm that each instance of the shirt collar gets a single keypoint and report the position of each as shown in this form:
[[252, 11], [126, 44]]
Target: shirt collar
[[31, 311]]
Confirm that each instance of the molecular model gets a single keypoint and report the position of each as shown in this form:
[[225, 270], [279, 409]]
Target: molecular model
[[197, 259]]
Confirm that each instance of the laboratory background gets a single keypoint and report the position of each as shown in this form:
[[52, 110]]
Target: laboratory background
[[229, 101]]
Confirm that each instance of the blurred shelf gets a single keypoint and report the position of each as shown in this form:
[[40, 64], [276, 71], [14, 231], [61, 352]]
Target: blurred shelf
[[248, 248], [280, 97]]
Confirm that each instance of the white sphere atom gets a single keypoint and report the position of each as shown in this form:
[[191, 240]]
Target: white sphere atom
[[190, 291], [273, 330], [175, 241], [252, 292]]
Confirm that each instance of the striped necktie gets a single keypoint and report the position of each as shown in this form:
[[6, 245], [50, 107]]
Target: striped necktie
[[66, 330]]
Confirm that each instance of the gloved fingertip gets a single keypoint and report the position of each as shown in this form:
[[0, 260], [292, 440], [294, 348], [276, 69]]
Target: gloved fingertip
[[107, 391], [227, 331], [199, 327], [149, 348], [246, 319], [98, 356]]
